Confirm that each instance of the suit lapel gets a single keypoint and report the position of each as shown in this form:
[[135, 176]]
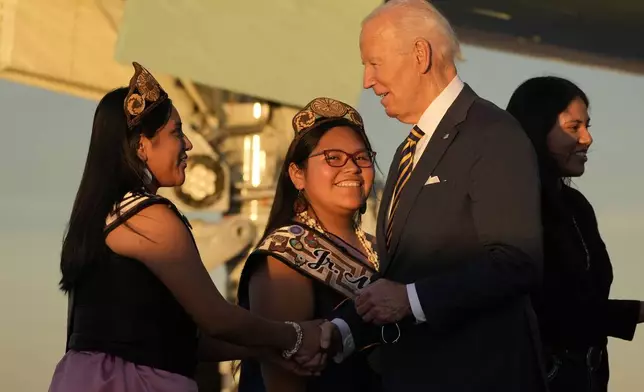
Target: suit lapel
[[440, 141]]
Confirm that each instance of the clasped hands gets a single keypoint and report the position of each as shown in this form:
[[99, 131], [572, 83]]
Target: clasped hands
[[320, 338], [380, 303]]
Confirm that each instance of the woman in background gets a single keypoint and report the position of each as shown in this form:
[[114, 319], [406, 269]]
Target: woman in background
[[137, 287], [575, 313]]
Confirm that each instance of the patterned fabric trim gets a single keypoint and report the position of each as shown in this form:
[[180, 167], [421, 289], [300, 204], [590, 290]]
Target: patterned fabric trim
[[134, 202], [316, 256]]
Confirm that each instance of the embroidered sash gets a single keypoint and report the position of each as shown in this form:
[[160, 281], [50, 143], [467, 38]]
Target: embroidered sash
[[312, 253]]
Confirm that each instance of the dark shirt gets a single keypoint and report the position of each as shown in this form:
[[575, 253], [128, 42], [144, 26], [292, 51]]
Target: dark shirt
[[573, 306]]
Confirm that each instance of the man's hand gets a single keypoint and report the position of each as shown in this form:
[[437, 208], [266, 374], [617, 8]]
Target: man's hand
[[383, 302]]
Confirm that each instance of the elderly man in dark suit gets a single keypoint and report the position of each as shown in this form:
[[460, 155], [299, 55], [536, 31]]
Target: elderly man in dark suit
[[459, 231]]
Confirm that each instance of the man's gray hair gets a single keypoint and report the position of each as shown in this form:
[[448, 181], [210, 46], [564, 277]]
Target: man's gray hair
[[420, 19]]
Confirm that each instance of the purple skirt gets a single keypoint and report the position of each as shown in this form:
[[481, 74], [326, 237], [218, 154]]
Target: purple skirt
[[100, 372]]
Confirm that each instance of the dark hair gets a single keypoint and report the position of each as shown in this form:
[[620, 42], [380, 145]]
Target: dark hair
[[112, 169], [536, 104], [298, 152]]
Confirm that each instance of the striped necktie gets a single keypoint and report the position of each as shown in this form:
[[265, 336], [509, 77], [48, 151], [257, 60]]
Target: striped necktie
[[404, 172]]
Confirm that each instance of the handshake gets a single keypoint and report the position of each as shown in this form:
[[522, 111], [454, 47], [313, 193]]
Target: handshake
[[382, 302], [321, 339]]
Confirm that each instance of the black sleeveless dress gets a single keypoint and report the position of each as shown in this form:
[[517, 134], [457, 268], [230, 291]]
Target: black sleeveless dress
[[119, 307], [354, 374]]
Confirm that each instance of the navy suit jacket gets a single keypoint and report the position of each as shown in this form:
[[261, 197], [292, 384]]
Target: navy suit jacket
[[471, 243]]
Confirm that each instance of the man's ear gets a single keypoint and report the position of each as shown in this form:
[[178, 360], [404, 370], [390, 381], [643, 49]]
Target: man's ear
[[297, 176], [423, 53]]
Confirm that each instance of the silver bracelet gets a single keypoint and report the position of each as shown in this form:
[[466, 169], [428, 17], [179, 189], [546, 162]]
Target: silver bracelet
[[287, 354]]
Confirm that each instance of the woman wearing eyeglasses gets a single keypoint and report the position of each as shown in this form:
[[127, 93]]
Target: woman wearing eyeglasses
[[314, 254]]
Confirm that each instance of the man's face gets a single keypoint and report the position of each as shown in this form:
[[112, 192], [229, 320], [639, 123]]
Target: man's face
[[390, 69]]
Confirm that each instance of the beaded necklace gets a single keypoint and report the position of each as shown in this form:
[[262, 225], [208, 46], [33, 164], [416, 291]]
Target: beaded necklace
[[372, 256]]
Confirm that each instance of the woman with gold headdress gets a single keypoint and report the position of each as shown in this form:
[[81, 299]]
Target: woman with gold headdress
[[314, 254], [138, 290]]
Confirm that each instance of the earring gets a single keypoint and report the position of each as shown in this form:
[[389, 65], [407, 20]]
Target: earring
[[300, 204], [147, 176]]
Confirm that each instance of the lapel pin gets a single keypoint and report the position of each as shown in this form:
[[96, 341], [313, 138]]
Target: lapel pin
[[445, 136]]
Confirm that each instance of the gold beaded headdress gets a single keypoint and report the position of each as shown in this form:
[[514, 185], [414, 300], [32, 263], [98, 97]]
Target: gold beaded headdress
[[144, 95], [321, 110]]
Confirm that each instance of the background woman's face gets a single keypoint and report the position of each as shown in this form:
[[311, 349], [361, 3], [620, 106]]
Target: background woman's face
[[568, 141]]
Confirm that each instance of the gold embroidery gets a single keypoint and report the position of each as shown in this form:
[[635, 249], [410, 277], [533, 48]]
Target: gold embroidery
[[354, 116], [144, 94], [317, 257], [325, 108], [372, 256], [304, 119], [135, 104], [148, 86]]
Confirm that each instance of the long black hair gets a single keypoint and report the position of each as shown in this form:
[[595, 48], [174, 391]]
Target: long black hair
[[112, 169], [536, 104], [301, 147]]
